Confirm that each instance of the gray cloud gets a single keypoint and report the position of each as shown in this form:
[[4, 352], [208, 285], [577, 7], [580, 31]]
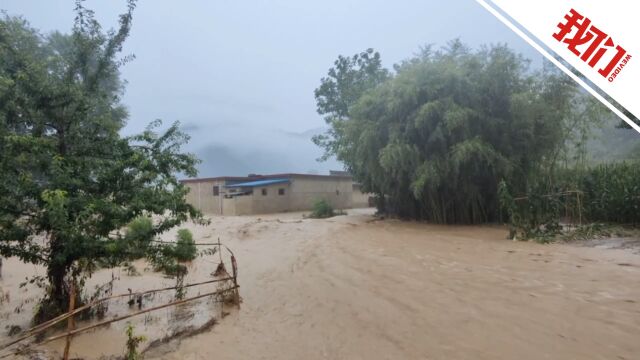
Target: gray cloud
[[240, 75]]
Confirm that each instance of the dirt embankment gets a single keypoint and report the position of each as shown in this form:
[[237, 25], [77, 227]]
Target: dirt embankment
[[352, 288]]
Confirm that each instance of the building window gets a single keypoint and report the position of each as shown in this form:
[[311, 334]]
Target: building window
[[216, 190], [264, 192], [281, 191]]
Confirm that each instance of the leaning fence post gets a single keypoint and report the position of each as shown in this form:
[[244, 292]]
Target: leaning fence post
[[234, 269], [70, 322]]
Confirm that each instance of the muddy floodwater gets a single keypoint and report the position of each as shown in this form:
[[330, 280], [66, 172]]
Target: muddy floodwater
[[352, 287]]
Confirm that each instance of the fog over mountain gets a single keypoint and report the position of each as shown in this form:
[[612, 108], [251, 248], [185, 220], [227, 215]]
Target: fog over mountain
[[269, 150], [240, 75]]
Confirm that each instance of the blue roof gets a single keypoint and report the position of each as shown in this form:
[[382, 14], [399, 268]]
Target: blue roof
[[258, 183]]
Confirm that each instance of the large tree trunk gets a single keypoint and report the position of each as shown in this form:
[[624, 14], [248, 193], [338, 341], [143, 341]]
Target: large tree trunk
[[59, 292], [56, 300]]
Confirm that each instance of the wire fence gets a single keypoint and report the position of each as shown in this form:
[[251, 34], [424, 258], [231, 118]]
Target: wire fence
[[223, 277]]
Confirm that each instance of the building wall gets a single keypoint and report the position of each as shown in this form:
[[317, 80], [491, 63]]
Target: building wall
[[238, 205], [272, 202], [360, 199], [299, 194], [229, 206], [335, 190], [201, 196]]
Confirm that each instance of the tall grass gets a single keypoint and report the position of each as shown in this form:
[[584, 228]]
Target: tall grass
[[612, 193], [608, 193]]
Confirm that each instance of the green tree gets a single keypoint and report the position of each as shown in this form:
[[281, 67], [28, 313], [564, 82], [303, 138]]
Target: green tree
[[69, 182], [343, 86], [435, 138]]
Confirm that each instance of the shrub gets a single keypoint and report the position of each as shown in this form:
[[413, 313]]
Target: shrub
[[140, 228], [163, 259], [185, 249], [322, 209], [534, 215], [138, 236], [167, 257]]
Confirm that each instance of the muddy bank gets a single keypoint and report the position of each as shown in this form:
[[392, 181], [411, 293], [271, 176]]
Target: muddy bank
[[350, 288], [631, 244]]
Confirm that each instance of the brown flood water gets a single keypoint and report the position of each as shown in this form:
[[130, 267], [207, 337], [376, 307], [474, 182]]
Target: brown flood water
[[353, 288]]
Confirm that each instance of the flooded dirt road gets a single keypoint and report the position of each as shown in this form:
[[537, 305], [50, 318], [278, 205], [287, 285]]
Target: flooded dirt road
[[350, 287]]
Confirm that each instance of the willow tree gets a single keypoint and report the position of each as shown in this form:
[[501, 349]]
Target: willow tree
[[69, 182], [434, 140]]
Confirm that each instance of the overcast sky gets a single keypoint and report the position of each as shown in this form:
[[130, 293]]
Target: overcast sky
[[240, 75]]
